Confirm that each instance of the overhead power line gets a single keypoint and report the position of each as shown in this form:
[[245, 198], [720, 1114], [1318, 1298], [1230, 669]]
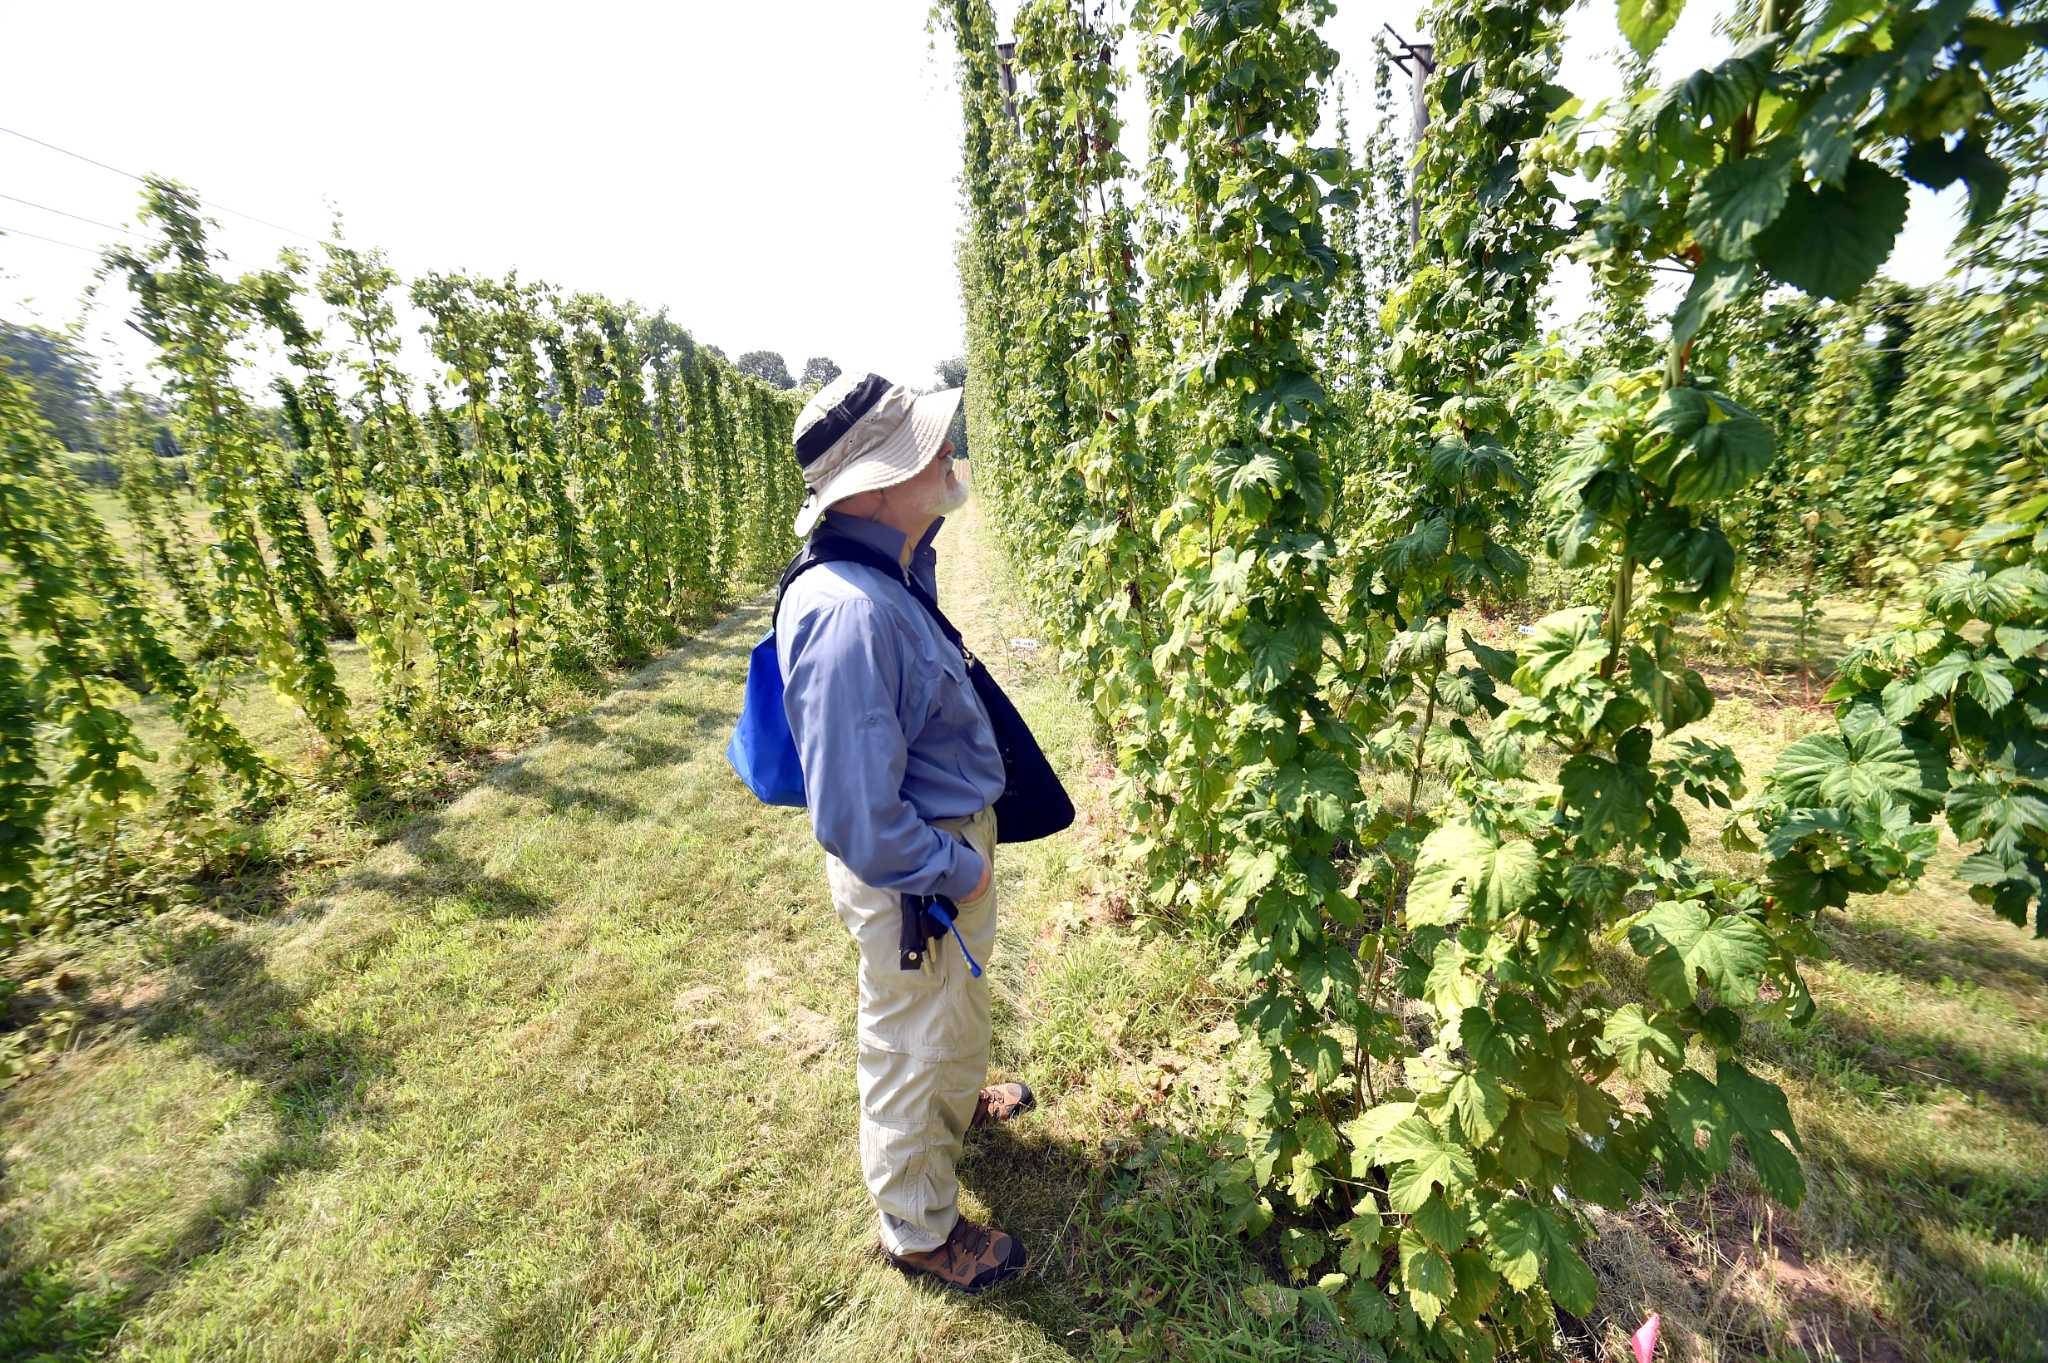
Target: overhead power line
[[38, 236], [214, 204], [66, 213]]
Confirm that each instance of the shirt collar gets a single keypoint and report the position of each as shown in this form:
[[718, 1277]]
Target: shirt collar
[[882, 538]]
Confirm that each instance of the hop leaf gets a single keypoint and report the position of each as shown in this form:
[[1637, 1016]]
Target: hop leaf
[[1682, 940], [1863, 766], [1830, 242], [1707, 1117], [1646, 23], [1496, 878], [1637, 1040]]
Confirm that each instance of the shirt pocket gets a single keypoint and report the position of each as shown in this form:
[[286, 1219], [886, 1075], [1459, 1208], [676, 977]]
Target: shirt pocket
[[956, 717]]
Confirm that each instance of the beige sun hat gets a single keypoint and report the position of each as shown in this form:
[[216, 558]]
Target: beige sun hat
[[861, 433]]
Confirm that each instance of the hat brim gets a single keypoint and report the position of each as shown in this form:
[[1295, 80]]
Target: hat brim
[[896, 459]]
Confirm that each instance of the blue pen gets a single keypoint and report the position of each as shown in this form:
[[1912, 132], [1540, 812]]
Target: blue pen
[[938, 912]]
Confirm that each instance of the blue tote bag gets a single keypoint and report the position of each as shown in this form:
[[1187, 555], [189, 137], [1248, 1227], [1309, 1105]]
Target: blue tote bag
[[762, 750]]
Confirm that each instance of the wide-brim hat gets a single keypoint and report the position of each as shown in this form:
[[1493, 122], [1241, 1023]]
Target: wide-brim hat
[[862, 434]]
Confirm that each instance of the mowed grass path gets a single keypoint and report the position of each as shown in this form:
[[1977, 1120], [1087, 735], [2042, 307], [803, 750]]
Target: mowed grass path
[[565, 1071]]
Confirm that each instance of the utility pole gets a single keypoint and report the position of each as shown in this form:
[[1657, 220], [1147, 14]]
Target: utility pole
[[1423, 55]]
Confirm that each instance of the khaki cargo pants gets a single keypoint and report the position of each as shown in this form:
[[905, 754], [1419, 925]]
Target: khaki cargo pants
[[923, 1048]]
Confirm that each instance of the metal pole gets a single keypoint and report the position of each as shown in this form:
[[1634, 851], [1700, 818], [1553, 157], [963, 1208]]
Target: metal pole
[[1424, 57]]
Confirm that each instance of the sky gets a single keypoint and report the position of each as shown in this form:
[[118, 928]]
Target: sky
[[778, 175]]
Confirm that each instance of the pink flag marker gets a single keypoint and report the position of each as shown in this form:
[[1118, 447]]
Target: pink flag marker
[[1644, 1341]]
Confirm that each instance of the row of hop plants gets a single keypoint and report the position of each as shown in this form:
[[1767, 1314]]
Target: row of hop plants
[[583, 484], [1260, 546]]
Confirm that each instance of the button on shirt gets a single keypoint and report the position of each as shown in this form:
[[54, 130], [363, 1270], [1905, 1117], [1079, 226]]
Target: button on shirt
[[888, 729]]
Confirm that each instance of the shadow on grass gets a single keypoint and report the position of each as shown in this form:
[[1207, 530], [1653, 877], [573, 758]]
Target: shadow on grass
[[226, 1006], [1867, 944], [1132, 1254], [1038, 1189], [221, 1001]]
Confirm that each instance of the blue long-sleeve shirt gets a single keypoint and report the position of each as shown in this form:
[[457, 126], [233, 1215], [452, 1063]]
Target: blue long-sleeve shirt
[[888, 729]]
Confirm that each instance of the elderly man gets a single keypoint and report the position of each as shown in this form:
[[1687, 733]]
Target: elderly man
[[901, 770]]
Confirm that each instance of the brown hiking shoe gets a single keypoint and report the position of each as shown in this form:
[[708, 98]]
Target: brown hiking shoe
[[1000, 1102], [973, 1259]]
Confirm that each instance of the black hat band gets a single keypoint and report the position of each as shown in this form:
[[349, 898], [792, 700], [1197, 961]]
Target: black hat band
[[824, 433]]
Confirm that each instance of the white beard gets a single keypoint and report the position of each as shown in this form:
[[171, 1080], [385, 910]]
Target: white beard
[[942, 500], [948, 498]]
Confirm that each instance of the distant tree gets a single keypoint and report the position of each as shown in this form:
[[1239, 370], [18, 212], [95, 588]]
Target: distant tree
[[66, 388], [818, 371], [953, 374], [147, 422], [766, 364]]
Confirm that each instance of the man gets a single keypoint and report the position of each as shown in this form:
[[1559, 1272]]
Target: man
[[901, 770]]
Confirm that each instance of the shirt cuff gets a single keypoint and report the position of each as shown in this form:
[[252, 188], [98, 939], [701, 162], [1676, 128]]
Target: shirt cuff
[[959, 882]]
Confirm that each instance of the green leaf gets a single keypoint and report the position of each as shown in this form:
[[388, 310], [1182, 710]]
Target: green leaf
[[1989, 682], [1696, 1115], [1420, 1158], [1715, 285], [1516, 1241], [1611, 798], [1419, 648], [1726, 455], [1366, 1132], [1419, 548], [1499, 663], [1509, 880], [1682, 940], [1867, 766], [1572, 1285], [1321, 786], [1496, 878], [1740, 1104], [1426, 1274], [1565, 646], [1480, 1104], [1827, 133], [1832, 242], [1442, 1224], [1525, 1241], [1936, 165], [2019, 641], [1597, 1177], [1738, 200], [1638, 1041], [1445, 863], [1317, 1138], [1646, 23], [2002, 817], [1758, 1109]]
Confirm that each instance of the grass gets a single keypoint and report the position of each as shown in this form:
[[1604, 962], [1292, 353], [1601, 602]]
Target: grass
[[1920, 1089], [564, 1071]]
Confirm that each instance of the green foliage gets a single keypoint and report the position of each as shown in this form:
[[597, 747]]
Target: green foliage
[[60, 377], [1164, 405], [593, 484], [767, 366]]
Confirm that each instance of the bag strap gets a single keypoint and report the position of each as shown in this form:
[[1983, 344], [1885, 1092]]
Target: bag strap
[[839, 549]]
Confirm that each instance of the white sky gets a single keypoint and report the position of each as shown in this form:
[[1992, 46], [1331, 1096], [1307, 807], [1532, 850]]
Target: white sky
[[778, 175]]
